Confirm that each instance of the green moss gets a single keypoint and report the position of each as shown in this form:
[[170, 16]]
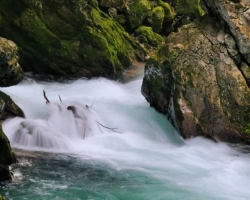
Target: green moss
[[153, 38], [36, 29], [138, 11], [189, 7], [247, 129], [1, 197], [156, 17], [169, 15]]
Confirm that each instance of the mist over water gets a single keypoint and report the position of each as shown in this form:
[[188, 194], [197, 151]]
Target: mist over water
[[116, 148]]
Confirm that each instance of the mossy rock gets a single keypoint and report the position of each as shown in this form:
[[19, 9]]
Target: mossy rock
[[137, 12], [169, 15], [156, 18], [8, 108], [188, 7], [153, 39], [11, 72], [7, 156], [69, 38]]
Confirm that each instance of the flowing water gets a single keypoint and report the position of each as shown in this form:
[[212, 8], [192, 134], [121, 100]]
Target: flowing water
[[104, 141]]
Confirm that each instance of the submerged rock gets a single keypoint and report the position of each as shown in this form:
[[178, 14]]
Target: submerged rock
[[196, 74], [11, 72]]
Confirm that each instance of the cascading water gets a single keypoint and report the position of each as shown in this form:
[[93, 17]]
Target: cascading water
[[103, 141]]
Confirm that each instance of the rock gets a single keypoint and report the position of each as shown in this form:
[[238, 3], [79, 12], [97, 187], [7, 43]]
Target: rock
[[235, 17], [118, 4], [7, 157], [137, 12], [196, 75], [8, 108], [148, 37], [188, 7], [156, 17], [11, 72], [68, 38]]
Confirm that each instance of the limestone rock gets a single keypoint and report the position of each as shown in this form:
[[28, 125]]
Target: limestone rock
[[196, 75], [235, 16], [11, 72]]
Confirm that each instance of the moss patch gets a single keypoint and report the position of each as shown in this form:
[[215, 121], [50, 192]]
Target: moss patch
[[138, 11], [156, 18], [169, 15], [189, 7], [151, 38]]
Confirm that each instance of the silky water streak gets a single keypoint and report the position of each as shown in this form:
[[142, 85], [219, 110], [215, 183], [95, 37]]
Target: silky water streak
[[104, 141]]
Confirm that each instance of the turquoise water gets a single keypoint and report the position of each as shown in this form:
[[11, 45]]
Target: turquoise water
[[63, 155]]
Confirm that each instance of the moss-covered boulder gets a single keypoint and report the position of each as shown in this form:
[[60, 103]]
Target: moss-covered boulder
[[196, 76], [148, 37], [8, 108], [188, 7], [156, 18], [137, 12], [7, 157], [11, 72], [169, 14], [68, 38]]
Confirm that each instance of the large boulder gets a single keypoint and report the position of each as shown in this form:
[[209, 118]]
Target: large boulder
[[68, 38], [11, 72], [196, 75]]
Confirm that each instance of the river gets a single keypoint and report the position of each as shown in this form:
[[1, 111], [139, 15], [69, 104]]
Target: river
[[102, 140]]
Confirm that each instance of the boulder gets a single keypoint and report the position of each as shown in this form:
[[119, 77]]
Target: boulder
[[196, 82], [148, 37], [188, 7], [68, 38], [137, 11], [11, 72], [8, 108]]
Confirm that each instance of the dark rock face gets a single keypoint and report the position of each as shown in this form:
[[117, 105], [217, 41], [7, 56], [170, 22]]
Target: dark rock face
[[11, 72], [7, 157], [8, 108], [68, 38], [199, 77]]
